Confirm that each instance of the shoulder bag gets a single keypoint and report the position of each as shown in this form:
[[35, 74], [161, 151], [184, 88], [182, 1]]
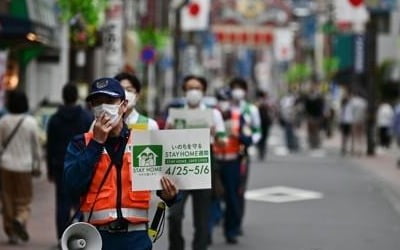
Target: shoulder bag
[[10, 137]]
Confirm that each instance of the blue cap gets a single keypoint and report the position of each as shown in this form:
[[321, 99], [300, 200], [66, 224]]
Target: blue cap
[[106, 86]]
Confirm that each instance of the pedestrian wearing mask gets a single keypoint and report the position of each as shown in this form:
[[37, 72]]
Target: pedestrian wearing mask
[[97, 168], [242, 123], [194, 88], [133, 118], [250, 130], [20, 158], [216, 213]]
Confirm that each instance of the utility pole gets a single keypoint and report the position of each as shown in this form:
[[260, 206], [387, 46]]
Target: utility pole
[[177, 40], [370, 78]]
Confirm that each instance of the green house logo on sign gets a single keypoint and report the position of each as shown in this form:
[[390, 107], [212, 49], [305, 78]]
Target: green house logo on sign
[[147, 156]]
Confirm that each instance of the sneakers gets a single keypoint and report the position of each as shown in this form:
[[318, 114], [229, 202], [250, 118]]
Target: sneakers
[[231, 240], [13, 240], [20, 230]]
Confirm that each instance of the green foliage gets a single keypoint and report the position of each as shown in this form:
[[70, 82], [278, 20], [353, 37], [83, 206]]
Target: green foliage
[[84, 16], [330, 66], [297, 73], [153, 37], [91, 11]]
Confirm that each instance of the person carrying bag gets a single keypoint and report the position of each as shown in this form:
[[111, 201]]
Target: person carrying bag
[[20, 160]]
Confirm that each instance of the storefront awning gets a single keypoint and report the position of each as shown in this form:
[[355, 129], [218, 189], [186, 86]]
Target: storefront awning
[[18, 29]]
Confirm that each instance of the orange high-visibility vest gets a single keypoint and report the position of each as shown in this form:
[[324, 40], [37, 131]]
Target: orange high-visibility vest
[[134, 205], [231, 149]]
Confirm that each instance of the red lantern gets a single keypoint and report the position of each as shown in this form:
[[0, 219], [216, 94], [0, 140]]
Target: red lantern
[[232, 37], [244, 37], [220, 37], [356, 3], [257, 38], [268, 38]]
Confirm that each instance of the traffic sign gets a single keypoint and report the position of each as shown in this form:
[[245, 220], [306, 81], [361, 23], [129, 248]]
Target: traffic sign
[[148, 54]]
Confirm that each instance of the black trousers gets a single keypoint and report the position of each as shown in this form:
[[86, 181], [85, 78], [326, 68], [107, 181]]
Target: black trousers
[[201, 207], [384, 137]]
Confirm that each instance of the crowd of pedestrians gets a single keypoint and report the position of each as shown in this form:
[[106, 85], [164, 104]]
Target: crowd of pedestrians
[[87, 160], [85, 153]]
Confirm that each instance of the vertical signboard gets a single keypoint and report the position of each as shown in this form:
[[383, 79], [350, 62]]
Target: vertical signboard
[[359, 57], [112, 38]]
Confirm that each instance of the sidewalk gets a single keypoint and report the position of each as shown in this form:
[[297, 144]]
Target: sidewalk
[[41, 225], [382, 166]]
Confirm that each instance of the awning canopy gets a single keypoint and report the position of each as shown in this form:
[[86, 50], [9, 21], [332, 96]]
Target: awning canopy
[[19, 29], [27, 39]]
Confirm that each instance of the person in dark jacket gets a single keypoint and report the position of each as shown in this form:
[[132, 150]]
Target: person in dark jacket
[[265, 109], [69, 120], [314, 108]]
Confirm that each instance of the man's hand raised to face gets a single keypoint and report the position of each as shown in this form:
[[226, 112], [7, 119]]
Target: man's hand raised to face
[[102, 128]]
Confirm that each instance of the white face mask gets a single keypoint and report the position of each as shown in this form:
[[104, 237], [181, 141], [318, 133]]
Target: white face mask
[[111, 111], [131, 97], [238, 94], [194, 96]]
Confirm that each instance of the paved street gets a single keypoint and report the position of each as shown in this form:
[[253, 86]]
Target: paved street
[[315, 201], [357, 210]]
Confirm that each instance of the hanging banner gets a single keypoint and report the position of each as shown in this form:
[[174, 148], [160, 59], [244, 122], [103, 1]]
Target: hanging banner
[[195, 15], [284, 45], [353, 12], [181, 155], [359, 51]]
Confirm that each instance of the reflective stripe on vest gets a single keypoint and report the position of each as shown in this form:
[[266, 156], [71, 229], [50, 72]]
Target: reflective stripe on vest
[[231, 149], [111, 214], [134, 203], [142, 123], [226, 157]]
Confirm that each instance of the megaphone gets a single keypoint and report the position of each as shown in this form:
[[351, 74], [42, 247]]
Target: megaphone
[[81, 235]]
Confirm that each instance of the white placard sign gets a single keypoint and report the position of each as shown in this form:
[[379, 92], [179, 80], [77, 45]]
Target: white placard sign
[[190, 118], [181, 154]]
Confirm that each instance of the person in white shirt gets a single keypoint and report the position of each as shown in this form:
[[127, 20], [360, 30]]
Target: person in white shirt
[[20, 158], [194, 88], [133, 118], [359, 108], [384, 121]]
